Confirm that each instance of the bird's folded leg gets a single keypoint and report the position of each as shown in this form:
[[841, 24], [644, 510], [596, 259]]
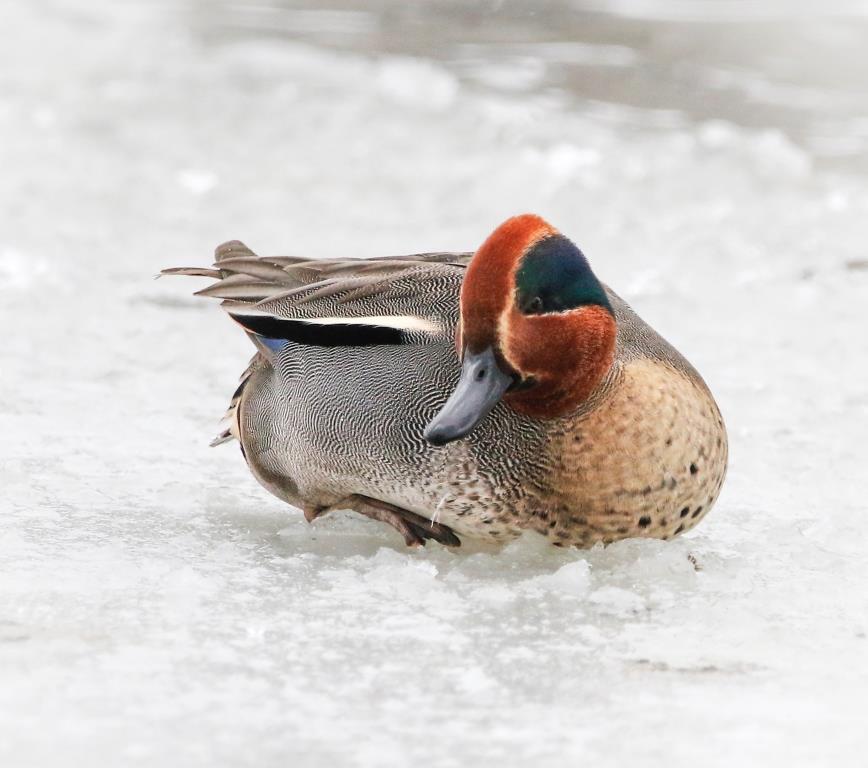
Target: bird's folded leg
[[415, 529]]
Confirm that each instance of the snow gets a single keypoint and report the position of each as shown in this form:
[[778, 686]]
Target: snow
[[158, 608]]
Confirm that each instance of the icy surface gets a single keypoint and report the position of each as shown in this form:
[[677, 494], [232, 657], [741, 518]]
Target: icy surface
[[158, 608]]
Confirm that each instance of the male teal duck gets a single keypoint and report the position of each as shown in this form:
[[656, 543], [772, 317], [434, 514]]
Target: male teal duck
[[568, 415]]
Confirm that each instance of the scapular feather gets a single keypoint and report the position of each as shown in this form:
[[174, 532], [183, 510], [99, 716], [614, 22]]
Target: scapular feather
[[321, 335]]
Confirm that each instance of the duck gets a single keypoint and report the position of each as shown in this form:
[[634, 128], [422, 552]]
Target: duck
[[467, 395]]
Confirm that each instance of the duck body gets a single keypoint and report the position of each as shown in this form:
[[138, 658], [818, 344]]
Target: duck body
[[355, 358]]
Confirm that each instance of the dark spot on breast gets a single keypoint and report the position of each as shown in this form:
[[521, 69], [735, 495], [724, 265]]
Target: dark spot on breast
[[663, 521], [644, 521], [679, 529], [623, 529], [693, 469], [577, 438], [668, 441], [646, 490], [684, 512], [552, 523], [697, 512]]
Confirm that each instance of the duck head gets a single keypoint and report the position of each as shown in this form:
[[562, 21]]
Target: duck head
[[536, 329]]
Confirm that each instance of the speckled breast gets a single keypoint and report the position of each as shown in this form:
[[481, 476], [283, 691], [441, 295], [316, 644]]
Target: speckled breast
[[648, 460]]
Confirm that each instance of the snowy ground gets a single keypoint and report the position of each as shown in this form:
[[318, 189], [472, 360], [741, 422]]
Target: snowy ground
[[158, 608]]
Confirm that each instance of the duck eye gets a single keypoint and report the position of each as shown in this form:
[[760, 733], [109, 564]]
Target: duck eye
[[534, 306]]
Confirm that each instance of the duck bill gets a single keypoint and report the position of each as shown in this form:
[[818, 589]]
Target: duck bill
[[479, 389]]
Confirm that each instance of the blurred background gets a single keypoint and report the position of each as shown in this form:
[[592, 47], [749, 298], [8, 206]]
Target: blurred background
[[158, 608]]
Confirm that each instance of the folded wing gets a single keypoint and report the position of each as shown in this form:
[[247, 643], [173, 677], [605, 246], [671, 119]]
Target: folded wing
[[345, 302]]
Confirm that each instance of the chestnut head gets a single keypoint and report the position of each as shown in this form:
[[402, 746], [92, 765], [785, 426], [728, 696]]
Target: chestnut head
[[536, 329]]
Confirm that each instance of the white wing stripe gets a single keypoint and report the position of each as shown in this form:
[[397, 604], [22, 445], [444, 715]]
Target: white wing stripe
[[400, 322]]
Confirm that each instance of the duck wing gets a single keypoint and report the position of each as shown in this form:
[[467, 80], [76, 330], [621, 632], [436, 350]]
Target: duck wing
[[335, 302]]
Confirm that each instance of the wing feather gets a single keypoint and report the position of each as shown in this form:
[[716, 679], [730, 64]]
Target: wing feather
[[392, 299]]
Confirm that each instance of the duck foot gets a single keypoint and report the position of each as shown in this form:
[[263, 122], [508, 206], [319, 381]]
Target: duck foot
[[415, 529]]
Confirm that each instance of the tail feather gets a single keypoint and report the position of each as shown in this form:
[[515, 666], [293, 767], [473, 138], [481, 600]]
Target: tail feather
[[224, 437], [192, 272], [232, 417], [258, 268], [231, 250], [237, 287]]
